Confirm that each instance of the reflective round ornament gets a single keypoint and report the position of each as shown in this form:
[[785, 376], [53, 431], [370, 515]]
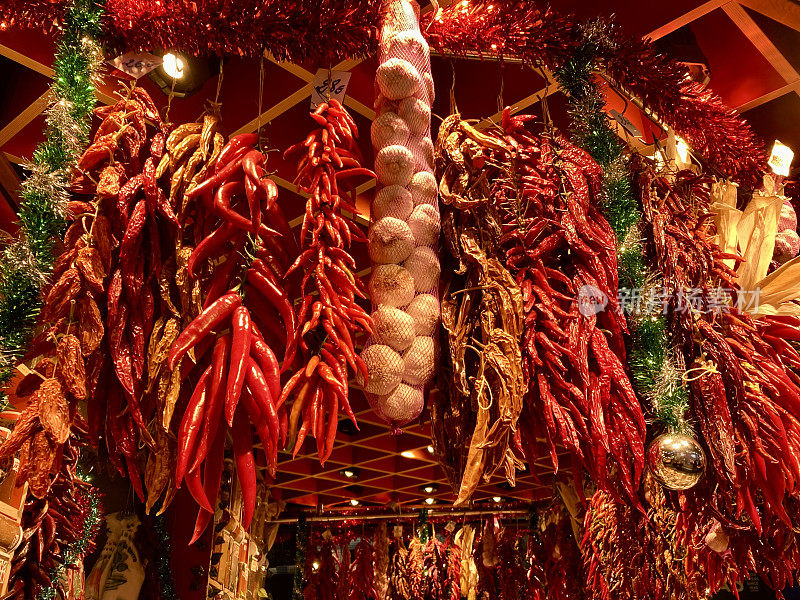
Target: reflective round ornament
[[676, 461]]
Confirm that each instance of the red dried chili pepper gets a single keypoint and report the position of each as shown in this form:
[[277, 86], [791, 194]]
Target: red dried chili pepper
[[207, 320]]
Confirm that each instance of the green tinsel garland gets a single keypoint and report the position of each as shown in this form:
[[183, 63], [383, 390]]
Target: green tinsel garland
[[654, 370], [82, 546], [25, 265]]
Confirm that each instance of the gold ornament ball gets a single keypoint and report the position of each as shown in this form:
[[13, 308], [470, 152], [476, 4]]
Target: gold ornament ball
[[676, 461]]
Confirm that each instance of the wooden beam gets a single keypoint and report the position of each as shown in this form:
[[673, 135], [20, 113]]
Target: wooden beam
[[26, 61], [686, 18], [760, 40], [781, 91], [10, 184], [24, 118], [783, 11]]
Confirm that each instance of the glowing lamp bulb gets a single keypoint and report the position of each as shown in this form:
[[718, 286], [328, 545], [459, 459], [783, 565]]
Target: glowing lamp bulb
[[497, 499], [349, 474], [781, 159], [682, 148], [354, 502], [428, 489], [430, 449], [429, 500], [174, 66], [315, 565]]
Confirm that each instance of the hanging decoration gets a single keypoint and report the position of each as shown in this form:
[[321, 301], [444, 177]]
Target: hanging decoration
[[328, 30], [329, 317], [519, 29], [70, 511], [27, 262], [655, 370], [539, 218]]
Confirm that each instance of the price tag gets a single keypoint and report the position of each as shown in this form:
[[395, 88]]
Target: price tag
[[626, 123], [136, 64], [327, 85]]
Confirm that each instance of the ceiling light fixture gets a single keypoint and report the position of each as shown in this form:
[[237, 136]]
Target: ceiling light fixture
[[429, 500], [430, 449], [407, 454], [350, 473], [497, 499], [429, 488], [174, 65], [354, 502]]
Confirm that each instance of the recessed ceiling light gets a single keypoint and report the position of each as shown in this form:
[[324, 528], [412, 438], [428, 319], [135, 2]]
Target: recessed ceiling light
[[430, 449], [407, 454], [354, 502], [350, 473], [497, 499], [429, 500], [429, 488]]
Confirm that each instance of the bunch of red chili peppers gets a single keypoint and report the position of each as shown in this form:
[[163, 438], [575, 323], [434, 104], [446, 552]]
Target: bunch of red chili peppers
[[562, 252], [239, 383], [329, 316], [745, 392]]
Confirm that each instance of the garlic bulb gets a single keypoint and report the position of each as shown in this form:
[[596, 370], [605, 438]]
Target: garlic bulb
[[423, 188], [424, 267], [425, 225], [409, 43], [422, 149], [416, 113], [397, 78], [402, 405], [420, 361], [392, 285], [390, 241], [392, 201], [394, 165], [393, 327], [427, 83], [387, 130], [425, 311], [384, 368]]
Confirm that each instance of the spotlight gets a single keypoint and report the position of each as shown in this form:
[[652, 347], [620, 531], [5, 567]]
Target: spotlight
[[430, 449], [183, 75], [174, 65], [497, 499], [354, 502], [407, 454], [315, 566], [429, 500], [429, 488], [350, 473]]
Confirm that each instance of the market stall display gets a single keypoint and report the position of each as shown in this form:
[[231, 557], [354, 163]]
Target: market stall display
[[186, 303]]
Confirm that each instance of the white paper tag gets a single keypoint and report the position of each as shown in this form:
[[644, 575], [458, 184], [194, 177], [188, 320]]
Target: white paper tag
[[329, 84], [136, 64], [626, 123]]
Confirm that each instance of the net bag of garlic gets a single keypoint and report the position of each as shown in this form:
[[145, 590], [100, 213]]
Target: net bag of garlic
[[404, 232]]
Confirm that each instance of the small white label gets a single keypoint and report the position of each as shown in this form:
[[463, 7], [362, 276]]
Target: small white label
[[626, 123], [136, 64], [329, 84]]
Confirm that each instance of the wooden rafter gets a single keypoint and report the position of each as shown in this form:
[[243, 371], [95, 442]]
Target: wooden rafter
[[687, 18], [22, 120], [785, 12]]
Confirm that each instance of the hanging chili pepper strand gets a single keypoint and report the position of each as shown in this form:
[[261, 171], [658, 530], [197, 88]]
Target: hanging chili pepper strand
[[240, 382], [745, 392], [563, 258], [329, 316]]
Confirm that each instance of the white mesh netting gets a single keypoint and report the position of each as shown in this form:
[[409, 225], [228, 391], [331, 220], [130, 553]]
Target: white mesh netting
[[404, 232]]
